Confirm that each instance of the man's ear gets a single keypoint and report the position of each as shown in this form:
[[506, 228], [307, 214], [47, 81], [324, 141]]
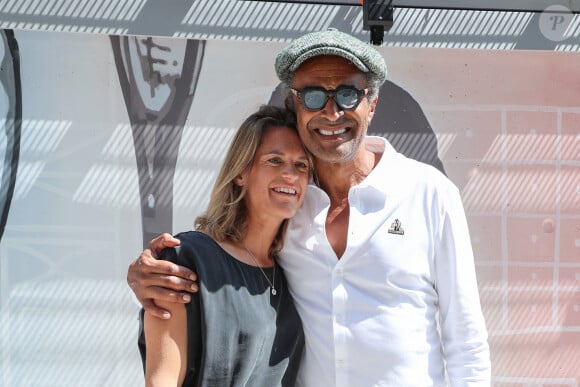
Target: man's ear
[[372, 108], [289, 103], [374, 104]]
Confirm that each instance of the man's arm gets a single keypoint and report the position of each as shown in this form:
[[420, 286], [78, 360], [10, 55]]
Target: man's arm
[[464, 334], [153, 280]]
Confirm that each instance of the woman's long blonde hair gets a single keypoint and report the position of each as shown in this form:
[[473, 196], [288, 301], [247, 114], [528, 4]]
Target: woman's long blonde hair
[[225, 217]]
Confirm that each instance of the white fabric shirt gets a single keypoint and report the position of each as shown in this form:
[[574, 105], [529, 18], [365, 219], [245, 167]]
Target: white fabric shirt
[[397, 309]]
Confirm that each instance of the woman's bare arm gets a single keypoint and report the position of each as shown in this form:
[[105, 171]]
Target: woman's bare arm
[[166, 343]]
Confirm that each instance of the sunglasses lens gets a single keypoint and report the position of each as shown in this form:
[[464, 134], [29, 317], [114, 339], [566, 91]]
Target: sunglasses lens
[[314, 99], [346, 98]]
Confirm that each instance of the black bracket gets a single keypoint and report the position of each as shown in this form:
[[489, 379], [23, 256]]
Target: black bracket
[[378, 17]]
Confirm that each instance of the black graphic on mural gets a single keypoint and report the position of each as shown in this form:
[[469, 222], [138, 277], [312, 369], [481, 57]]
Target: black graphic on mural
[[400, 119], [158, 78], [10, 119]]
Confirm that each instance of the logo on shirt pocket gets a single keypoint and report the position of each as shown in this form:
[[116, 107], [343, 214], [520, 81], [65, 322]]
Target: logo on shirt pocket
[[396, 228]]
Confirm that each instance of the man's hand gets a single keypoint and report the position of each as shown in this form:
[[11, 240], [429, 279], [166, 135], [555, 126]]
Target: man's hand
[[153, 280]]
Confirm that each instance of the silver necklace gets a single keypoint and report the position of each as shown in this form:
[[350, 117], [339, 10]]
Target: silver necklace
[[272, 288]]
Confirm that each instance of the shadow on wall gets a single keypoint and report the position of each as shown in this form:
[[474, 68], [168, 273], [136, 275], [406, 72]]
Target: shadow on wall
[[400, 119], [10, 119], [158, 77]]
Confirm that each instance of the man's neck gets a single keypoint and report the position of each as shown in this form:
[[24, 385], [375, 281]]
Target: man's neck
[[336, 179]]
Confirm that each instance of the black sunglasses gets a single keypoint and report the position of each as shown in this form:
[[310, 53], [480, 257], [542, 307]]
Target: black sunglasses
[[315, 98]]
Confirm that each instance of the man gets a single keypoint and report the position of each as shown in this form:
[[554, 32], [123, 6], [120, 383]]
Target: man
[[378, 259]]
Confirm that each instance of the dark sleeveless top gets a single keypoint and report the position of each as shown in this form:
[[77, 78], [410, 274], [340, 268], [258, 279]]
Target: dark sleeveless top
[[239, 334]]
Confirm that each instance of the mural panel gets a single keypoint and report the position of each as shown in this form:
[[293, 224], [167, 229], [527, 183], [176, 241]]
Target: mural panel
[[93, 121]]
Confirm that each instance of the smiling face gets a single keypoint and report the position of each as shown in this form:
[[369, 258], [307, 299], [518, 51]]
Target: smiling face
[[277, 179], [332, 134]]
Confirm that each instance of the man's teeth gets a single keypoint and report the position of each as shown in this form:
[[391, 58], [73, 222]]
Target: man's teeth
[[332, 132], [286, 190]]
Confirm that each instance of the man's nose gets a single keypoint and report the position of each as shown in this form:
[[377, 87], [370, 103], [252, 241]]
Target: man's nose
[[332, 109]]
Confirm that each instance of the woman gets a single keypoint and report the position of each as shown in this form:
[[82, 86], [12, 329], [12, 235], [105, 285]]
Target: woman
[[241, 329]]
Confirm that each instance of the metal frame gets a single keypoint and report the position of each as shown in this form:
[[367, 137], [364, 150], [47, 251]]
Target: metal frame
[[378, 15], [474, 5], [283, 21]]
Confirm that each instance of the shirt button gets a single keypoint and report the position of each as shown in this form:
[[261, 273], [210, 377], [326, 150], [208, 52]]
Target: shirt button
[[339, 317], [339, 363], [339, 272]]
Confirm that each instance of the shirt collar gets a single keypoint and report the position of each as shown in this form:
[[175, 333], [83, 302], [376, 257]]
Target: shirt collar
[[376, 178]]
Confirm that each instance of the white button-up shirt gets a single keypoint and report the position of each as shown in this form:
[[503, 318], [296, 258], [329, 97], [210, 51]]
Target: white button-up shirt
[[401, 306]]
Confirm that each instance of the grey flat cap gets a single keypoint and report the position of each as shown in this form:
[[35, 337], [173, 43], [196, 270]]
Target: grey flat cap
[[330, 42]]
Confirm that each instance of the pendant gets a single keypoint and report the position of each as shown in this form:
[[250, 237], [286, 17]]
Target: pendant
[[274, 292]]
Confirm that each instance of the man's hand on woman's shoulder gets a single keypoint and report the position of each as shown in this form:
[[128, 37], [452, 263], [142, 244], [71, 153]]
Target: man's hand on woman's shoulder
[[152, 279]]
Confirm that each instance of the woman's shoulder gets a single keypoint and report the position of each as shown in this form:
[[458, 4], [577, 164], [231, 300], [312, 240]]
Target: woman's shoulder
[[195, 238], [197, 241], [194, 245]]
